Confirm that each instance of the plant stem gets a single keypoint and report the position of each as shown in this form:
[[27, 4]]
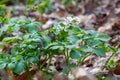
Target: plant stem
[[67, 56], [83, 58], [43, 63], [49, 62], [28, 72], [38, 63]]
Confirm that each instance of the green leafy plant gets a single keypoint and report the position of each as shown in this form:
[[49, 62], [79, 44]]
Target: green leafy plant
[[111, 64], [41, 5], [34, 2], [45, 5], [2, 14], [2, 9], [19, 24], [18, 60], [81, 44], [65, 38]]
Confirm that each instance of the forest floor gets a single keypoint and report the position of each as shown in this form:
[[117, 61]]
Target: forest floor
[[100, 15]]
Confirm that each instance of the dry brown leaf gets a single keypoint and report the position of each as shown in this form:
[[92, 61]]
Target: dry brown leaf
[[116, 70], [39, 76], [81, 74], [4, 75], [24, 75], [59, 76], [60, 14]]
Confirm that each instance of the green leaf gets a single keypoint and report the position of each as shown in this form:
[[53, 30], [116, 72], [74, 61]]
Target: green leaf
[[31, 46], [94, 43], [33, 59], [75, 54], [5, 28], [2, 65], [73, 65], [18, 57], [73, 38], [33, 27], [46, 39], [99, 51], [42, 7], [57, 47], [20, 67], [11, 39], [92, 32], [77, 29], [13, 52], [103, 37], [63, 34], [85, 48], [88, 37], [111, 64], [16, 28], [12, 65], [114, 50]]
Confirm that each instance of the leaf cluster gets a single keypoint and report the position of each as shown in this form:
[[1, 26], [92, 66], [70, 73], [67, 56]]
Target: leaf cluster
[[65, 38]]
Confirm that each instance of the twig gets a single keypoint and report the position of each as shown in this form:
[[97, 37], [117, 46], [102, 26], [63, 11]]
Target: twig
[[107, 61]]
